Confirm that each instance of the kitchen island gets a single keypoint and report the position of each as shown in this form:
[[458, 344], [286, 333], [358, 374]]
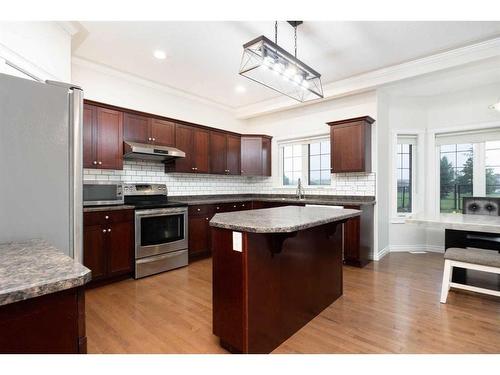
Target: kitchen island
[[274, 270], [42, 301]]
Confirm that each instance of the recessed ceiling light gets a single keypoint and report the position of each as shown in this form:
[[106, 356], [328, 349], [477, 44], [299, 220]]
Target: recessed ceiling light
[[159, 54], [240, 89]]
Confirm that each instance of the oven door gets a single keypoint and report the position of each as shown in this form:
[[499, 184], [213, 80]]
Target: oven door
[[159, 231]]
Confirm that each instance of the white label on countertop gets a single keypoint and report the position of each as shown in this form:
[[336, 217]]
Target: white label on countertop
[[237, 241]]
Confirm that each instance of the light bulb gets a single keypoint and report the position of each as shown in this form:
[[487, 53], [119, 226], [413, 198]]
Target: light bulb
[[268, 61], [290, 72]]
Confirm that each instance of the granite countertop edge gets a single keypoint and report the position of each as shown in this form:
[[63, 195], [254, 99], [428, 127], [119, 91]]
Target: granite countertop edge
[[193, 200], [11, 296], [108, 208], [34, 268], [280, 229]]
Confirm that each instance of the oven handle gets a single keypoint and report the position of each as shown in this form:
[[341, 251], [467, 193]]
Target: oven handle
[[160, 212]]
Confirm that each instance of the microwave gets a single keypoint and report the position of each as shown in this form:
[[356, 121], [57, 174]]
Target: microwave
[[98, 193]]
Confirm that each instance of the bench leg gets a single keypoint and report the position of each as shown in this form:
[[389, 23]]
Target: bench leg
[[445, 288]]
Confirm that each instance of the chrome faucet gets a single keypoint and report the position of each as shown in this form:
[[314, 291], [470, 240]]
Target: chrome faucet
[[300, 193]]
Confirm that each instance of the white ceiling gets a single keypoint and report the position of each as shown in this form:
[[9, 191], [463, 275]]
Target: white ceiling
[[203, 57]]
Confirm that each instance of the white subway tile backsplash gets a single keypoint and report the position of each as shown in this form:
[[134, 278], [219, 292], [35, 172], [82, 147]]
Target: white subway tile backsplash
[[201, 184]]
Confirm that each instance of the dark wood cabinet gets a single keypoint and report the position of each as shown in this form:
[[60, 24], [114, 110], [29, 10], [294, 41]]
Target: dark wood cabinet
[[163, 132], [199, 231], [350, 142], [143, 129], [224, 153], [233, 154], [357, 248], [102, 138], [255, 156], [195, 143], [108, 243], [136, 128]]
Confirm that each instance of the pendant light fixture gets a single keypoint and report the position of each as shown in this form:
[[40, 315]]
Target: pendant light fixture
[[265, 62]]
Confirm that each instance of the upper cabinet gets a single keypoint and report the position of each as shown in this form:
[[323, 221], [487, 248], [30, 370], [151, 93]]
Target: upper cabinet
[[208, 150], [224, 153], [195, 143], [142, 129], [256, 155], [350, 142], [102, 138]]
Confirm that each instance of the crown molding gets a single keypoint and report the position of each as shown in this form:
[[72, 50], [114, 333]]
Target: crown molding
[[377, 78], [78, 61]]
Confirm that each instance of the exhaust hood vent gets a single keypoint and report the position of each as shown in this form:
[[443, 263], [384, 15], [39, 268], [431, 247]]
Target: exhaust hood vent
[[133, 150]]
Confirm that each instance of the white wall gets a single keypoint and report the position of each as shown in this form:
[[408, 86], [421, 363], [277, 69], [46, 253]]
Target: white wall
[[42, 48], [112, 87]]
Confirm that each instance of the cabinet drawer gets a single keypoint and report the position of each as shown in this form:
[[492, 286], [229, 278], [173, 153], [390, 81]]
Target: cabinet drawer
[[200, 210], [106, 217]]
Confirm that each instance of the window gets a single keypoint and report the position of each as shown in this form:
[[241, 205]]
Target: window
[[292, 164], [319, 163], [492, 173], [308, 159], [456, 175], [404, 177]]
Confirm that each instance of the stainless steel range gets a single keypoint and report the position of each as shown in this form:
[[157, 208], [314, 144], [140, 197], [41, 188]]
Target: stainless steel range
[[161, 229]]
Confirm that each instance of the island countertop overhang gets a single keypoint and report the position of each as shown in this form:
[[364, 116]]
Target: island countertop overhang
[[281, 219]]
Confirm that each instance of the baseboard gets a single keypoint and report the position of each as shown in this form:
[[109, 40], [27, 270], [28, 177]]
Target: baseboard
[[382, 253], [407, 248]]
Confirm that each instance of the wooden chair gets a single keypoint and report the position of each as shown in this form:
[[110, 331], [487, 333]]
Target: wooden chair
[[473, 259]]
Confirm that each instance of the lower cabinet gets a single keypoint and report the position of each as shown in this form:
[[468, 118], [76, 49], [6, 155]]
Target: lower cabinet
[[199, 230], [108, 243], [355, 253]]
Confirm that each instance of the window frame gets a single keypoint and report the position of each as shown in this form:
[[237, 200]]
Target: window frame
[[412, 138], [304, 142]]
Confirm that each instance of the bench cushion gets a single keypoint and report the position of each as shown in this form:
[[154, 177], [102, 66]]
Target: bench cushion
[[472, 255]]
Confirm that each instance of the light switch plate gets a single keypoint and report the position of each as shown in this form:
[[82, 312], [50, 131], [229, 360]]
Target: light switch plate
[[237, 241]]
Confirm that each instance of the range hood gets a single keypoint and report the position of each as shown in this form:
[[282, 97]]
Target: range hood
[[133, 150]]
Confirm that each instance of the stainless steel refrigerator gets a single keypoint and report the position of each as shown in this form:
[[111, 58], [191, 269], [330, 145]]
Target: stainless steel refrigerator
[[41, 163]]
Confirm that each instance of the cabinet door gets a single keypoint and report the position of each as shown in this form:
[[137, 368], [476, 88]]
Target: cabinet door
[[251, 156], [199, 235], [94, 250], [233, 152], [217, 153], [352, 229], [266, 156], [109, 139], [163, 132], [120, 244], [200, 150], [136, 128], [184, 142], [89, 144]]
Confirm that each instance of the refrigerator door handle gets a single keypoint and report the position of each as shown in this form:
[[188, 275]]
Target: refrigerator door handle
[[76, 172]]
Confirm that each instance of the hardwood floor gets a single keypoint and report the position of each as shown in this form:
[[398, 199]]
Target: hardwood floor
[[391, 306]]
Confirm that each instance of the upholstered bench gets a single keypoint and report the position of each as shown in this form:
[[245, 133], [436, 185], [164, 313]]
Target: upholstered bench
[[473, 259]]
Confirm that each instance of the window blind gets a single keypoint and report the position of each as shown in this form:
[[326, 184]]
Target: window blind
[[471, 136]]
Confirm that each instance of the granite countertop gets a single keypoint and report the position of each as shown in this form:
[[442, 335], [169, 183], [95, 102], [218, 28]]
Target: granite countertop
[[108, 208], [280, 219], [478, 223], [334, 200], [34, 268]]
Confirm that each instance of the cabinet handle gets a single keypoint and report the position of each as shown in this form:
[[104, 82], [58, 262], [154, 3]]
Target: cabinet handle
[[234, 206], [242, 171], [198, 209], [106, 217], [218, 208], [109, 230], [94, 162], [206, 218], [192, 168], [104, 231], [149, 139], [154, 139], [99, 162], [243, 205]]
